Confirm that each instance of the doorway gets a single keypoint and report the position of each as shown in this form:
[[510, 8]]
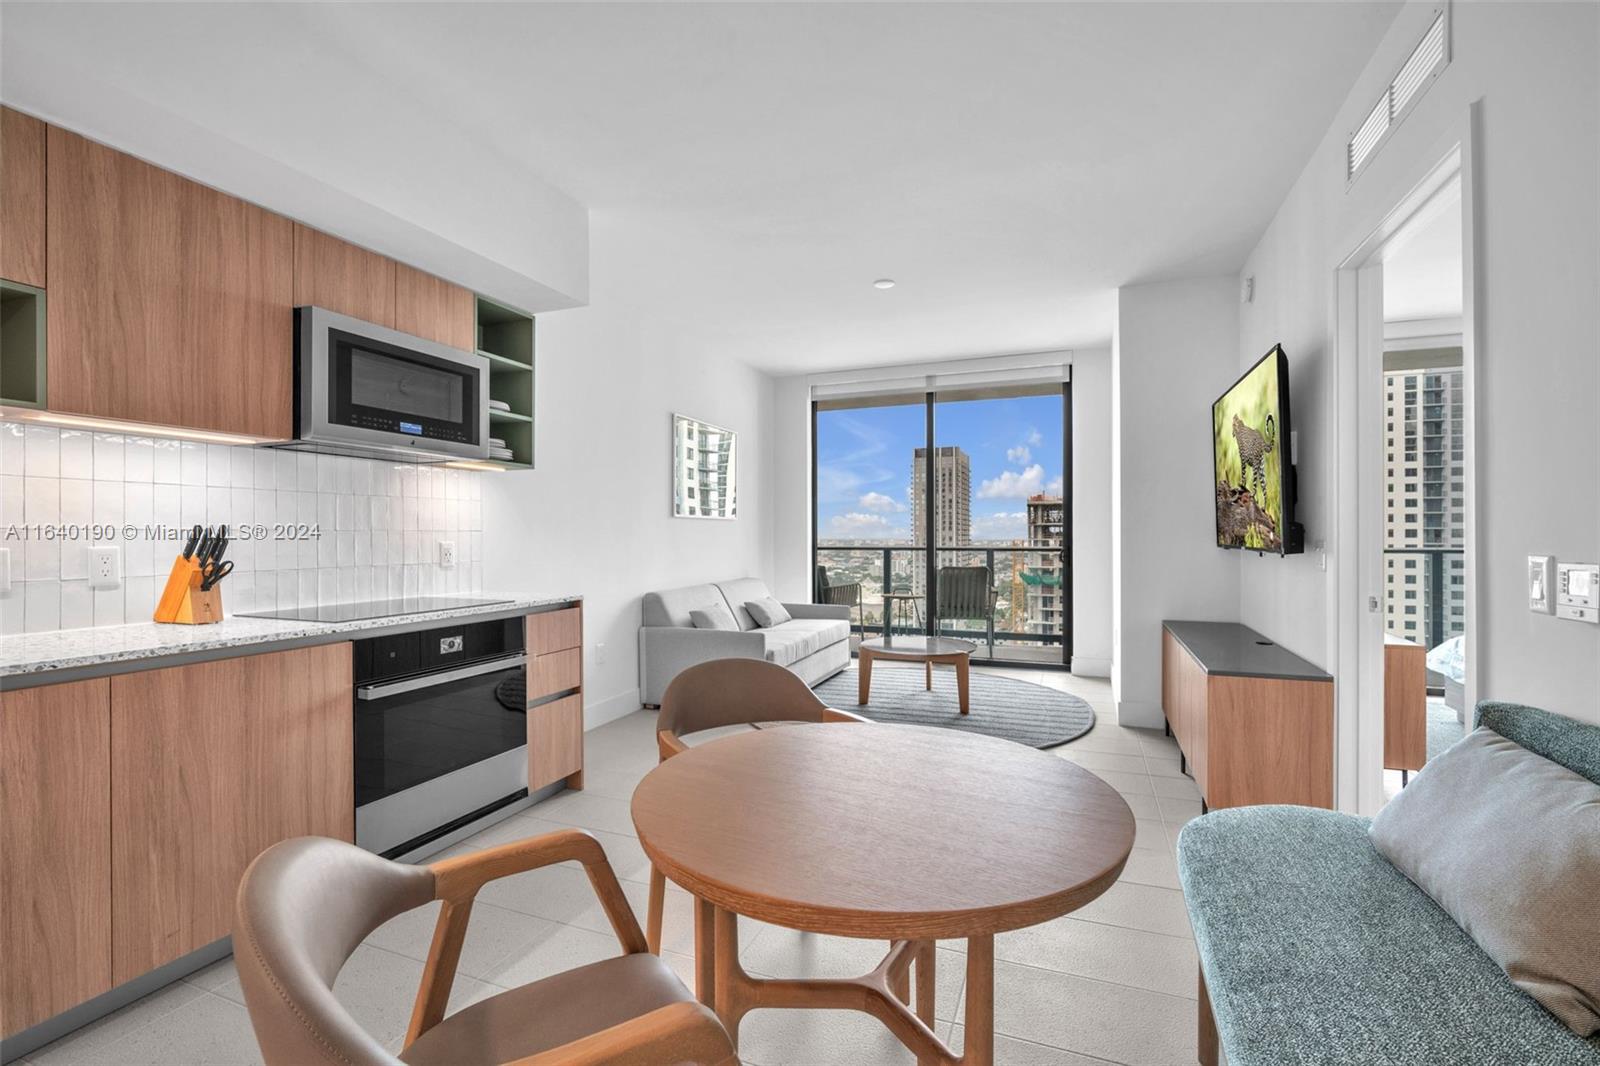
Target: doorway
[[1406, 348]]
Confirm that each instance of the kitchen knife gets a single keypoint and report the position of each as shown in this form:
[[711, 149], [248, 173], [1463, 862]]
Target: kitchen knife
[[192, 543]]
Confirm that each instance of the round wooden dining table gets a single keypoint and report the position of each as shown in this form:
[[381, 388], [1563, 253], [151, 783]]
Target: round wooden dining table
[[907, 834]]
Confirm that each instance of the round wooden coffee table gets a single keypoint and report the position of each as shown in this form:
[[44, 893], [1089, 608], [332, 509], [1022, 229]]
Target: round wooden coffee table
[[916, 649], [900, 833]]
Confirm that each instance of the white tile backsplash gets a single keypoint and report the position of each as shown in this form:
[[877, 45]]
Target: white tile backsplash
[[376, 524]]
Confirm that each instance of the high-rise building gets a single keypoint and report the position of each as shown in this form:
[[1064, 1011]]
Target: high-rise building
[[952, 471], [1042, 578], [1424, 504]]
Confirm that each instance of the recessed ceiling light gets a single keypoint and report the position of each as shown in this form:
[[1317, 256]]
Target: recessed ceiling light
[[883, 283]]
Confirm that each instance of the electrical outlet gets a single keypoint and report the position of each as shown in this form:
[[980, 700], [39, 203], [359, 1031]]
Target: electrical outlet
[[599, 654], [105, 566], [5, 571], [447, 553]]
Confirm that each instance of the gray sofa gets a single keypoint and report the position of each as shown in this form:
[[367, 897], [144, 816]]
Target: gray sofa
[[814, 643], [1314, 949]]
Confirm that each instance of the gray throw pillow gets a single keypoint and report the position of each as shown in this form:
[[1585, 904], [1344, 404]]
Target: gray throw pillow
[[768, 612], [1508, 843], [716, 616]]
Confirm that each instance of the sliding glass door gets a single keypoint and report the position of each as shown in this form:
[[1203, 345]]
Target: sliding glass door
[[949, 512]]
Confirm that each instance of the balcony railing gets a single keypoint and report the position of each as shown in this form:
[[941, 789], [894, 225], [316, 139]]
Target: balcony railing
[[1031, 614]]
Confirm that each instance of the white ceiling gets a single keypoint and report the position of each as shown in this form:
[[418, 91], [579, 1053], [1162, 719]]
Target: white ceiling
[[758, 165]]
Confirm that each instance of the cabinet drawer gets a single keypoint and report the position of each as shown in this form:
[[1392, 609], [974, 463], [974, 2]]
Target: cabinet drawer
[[555, 741], [555, 630], [557, 672]]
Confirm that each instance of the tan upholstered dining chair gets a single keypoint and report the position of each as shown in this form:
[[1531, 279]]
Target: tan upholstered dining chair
[[304, 906], [721, 693]]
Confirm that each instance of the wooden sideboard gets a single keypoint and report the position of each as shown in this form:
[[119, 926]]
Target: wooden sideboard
[[1254, 722], [1405, 704]]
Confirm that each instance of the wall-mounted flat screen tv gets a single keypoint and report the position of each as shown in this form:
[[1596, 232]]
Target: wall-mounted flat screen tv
[[1254, 475]]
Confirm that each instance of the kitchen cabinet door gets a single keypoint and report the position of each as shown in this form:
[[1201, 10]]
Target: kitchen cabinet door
[[555, 726], [431, 307], [169, 302], [55, 850], [22, 198], [338, 275], [210, 765]]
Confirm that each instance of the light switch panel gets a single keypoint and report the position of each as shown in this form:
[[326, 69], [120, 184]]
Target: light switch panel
[[1541, 580]]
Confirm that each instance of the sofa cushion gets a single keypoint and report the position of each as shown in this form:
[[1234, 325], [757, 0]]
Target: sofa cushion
[[741, 591], [1508, 843], [716, 616], [1317, 950], [671, 607], [767, 612], [792, 641]]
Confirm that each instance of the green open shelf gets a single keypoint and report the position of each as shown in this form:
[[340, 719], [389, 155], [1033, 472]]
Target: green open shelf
[[505, 338]]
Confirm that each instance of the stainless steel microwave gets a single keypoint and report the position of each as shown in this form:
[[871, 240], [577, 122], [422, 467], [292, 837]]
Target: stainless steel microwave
[[367, 390]]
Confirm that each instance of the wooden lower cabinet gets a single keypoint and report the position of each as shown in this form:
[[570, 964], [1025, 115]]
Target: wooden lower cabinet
[[1249, 737], [211, 764], [555, 725], [55, 850], [1405, 704]]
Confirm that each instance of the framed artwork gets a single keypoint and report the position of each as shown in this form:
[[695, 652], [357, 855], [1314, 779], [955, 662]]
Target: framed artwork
[[703, 470]]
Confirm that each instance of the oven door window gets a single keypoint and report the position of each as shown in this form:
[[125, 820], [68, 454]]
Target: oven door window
[[412, 737], [378, 386]]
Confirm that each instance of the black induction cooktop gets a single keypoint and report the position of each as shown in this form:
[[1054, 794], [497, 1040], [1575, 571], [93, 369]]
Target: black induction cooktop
[[355, 612]]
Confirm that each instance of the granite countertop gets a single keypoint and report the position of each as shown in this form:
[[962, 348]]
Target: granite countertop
[[1229, 649], [78, 650]]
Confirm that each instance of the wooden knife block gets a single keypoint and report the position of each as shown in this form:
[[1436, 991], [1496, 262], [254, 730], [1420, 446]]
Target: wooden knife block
[[182, 600]]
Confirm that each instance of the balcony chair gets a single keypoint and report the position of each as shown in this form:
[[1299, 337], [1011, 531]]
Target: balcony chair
[[848, 595], [306, 904], [966, 592], [721, 693]]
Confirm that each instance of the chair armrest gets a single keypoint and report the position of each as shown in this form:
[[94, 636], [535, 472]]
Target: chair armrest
[[677, 1033], [456, 883], [833, 714], [819, 610]]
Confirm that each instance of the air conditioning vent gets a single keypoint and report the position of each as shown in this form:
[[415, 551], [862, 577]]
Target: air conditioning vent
[[1425, 63]]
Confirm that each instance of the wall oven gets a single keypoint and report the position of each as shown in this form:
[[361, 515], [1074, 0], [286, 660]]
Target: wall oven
[[367, 390], [441, 731]]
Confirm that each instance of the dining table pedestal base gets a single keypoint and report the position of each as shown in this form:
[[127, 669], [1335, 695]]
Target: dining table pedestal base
[[885, 993]]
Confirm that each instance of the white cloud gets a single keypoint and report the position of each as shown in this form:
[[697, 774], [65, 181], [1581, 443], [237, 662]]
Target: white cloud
[[1011, 485], [1054, 487], [1035, 438], [1019, 454], [877, 501], [1005, 525], [858, 525]]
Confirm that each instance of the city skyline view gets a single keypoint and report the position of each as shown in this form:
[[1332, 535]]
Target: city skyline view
[[865, 462]]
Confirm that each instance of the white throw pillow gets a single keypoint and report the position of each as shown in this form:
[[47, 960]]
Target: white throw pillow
[[716, 616], [768, 612]]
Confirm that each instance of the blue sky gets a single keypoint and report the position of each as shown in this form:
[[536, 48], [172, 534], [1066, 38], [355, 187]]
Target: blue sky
[[864, 464]]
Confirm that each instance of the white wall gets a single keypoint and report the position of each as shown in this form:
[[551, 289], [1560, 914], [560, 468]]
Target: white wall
[[1535, 70], [1175, 350], [594, 517], [791, 498], [1091, 513]]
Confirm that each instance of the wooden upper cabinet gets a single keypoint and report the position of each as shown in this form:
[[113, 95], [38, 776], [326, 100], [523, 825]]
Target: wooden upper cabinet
[[433, 308], [341, 277], [55, 850], [22, 198], [210, 765], [169, 302]]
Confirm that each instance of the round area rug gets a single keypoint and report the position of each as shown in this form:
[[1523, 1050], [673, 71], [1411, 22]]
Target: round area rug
[[1000, 706]]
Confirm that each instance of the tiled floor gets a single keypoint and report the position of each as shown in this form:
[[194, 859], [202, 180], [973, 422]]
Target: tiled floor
[[1114, 982]]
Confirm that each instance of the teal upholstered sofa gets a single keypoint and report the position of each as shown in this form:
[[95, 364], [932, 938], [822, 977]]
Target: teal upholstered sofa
[[1314, 949]]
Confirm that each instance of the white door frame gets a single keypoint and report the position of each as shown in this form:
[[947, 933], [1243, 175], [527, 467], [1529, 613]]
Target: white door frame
[[1358, 342]]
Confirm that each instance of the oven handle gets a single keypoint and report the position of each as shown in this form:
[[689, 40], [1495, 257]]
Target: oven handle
[[411, 684]]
